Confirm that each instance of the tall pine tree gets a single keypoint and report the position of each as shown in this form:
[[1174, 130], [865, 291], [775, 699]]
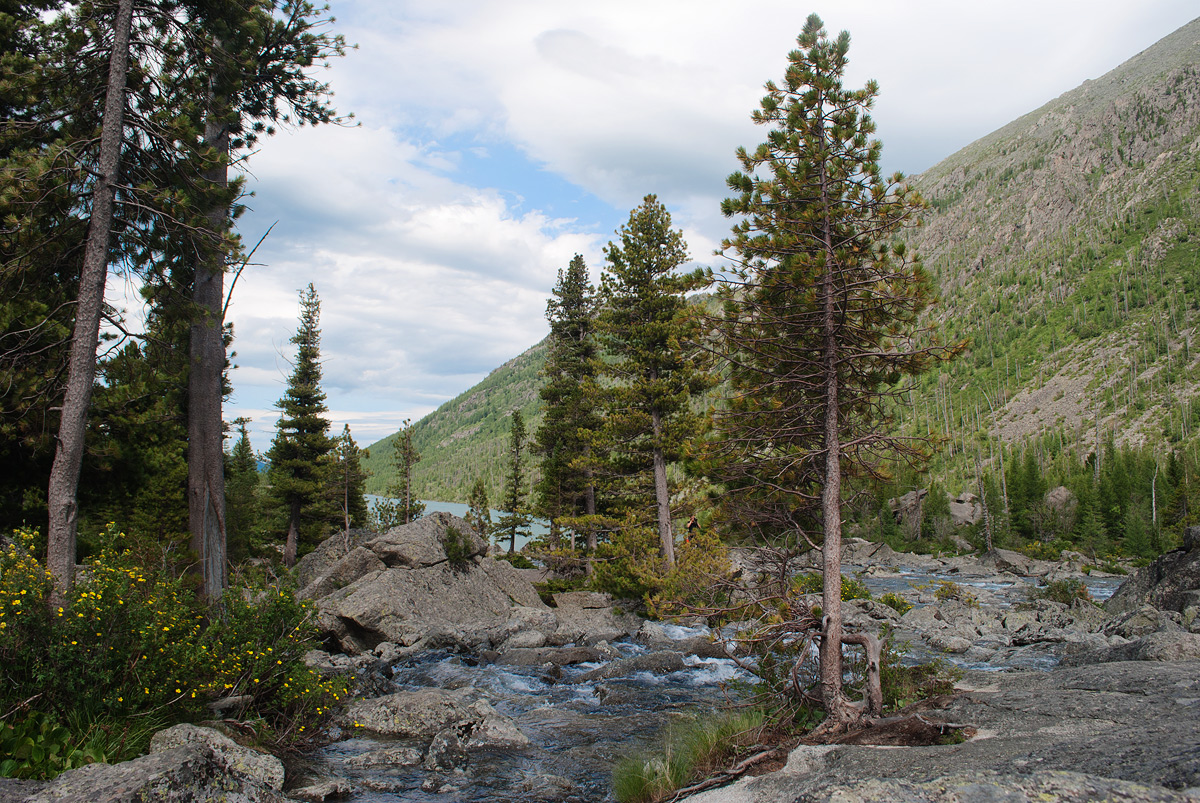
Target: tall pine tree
[[514, 520], [820, 318], [645, 328], [298, 455], [570, 401]]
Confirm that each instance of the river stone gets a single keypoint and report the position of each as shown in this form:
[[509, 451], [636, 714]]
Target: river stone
[[387, 757], [553, 656], [262, 767], [324, 790], [949, 642], [658, 662], [1141, 622], [969, 787], [423, 712], [490, 729], [1168, 646], [187, 774], [926, 617], [447, 750]]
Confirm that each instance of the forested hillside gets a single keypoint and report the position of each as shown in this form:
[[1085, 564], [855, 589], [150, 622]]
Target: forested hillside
[[466, 437], [1066, 246]]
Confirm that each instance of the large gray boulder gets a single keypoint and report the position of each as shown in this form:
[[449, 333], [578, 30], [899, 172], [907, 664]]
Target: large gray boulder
[[428, 582], [189, 774], [262, 767], [1171, 582]]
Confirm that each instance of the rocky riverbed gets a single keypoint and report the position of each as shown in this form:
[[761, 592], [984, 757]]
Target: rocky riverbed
[[474, 689]]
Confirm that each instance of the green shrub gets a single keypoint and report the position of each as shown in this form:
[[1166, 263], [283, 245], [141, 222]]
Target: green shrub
[[852, 587], [1065, 591], [896, 602], [457, 546], [132, 644], [517, 560], [904, 684], [948, 590]]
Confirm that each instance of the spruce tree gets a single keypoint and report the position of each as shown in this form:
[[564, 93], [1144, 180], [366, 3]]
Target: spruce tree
[[820, 320], [241, 495], [406, 458], [514, 520], [299, 470], [569, 396], [645, 327]]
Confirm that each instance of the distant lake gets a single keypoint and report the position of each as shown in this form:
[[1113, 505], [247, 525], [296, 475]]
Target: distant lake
[[537, 526]]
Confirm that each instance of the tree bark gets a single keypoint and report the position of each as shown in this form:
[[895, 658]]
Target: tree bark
[[81, 372], [206, 465], [293, 536], [662, 494], [836, 704]]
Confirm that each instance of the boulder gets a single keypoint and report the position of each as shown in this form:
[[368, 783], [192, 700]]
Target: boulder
[[327, 789], [1141, 622], [385, 757], [342, 572], [552, 656], [908, 510], [1006, 560], [451, 716], [1167, 646], [1167, 583], [327, 553], [660, 663], [423, 543], [966, 509], [411, 593], [264, 768], [191, 773]]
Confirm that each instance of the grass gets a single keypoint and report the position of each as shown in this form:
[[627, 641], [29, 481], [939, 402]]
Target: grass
[[691, 750]]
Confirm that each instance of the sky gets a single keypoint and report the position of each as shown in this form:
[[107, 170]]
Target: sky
[[492, 141]]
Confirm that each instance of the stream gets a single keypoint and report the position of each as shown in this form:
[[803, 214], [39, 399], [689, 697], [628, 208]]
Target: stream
[[580, 730]]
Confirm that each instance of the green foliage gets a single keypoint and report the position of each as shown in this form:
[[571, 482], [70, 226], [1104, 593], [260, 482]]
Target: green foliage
[[457, 546], [479, 515], [852, 587], [702, 567], [1067, 591], [947, 590], [38, 747], [896, 602], [904, 683], [299, 472], [133, 644], [515, 519], [692, 749], [403, 507], [629, 566], [517, 560], [242, 504]]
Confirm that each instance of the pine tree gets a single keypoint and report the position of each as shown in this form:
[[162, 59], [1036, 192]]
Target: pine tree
[[479, 516], [298, 455], [570, 402], [515, 517], [242, 513], [645, 329], [820, 318], [347, 487], [406, 458]]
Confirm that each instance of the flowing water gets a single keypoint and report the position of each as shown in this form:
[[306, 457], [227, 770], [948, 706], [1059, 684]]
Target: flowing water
[[578, 731]]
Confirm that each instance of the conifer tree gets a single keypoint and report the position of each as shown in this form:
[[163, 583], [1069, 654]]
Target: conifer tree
[[819, 323], [241, 494], [569, 396], [479, 516], [299, 470], [406, 458], [349, 478], [645, 328], [515, 517]]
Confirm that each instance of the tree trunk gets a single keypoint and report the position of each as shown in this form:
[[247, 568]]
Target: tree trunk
[[293, 536], [666, 538], [81, 371], [206, 465], [836, 706]]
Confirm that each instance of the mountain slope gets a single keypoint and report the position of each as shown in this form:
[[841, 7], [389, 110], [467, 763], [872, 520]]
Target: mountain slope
[[468, 436], [1067, 247]]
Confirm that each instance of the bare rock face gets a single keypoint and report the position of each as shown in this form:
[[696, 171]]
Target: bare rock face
[[1172, 582], [908, 510], [966, 509]]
